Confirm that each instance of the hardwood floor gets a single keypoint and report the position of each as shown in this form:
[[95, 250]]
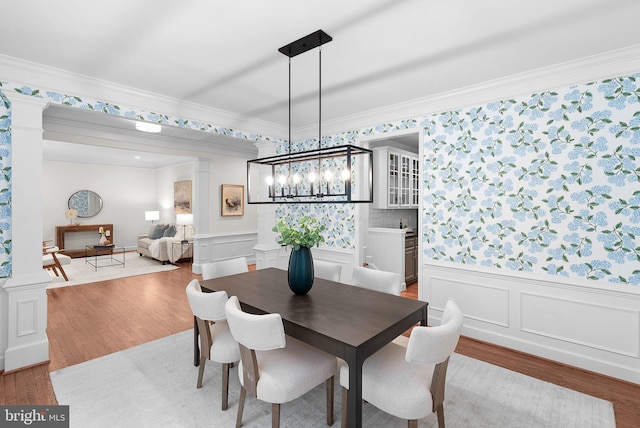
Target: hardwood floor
[[88, 321]]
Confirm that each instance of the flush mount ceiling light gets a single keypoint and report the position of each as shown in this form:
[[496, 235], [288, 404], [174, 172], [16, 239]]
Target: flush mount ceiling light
[[148, 127], [341, 174]]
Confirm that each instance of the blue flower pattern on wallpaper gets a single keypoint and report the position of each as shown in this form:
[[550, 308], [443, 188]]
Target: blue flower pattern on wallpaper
[[545, 184], [550, 183], [5, 193]]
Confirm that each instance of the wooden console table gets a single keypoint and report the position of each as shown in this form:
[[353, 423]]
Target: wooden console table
[[61, 230]]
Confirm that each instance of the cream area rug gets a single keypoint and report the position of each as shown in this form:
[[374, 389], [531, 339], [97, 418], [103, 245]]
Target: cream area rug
[[81, 272], [154, 385]]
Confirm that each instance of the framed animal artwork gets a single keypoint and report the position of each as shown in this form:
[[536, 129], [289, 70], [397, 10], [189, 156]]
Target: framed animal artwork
[[232, 200]]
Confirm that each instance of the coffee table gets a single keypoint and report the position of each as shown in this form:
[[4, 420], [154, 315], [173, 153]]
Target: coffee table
[[104, 255]]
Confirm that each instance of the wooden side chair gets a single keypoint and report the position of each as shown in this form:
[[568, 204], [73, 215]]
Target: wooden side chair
[[224, 268], [378, 280], [216, 342], [410, 382], [273, 368], [53, 259]]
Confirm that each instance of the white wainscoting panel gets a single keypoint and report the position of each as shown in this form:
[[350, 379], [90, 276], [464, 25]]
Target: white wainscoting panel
[[27, 317], [25, 300], [495, 310], [586, 324], [266, 255], [581, 322], [213, 247]]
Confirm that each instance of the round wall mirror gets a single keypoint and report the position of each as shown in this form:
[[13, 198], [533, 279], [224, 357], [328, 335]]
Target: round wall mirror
[[86, 202]]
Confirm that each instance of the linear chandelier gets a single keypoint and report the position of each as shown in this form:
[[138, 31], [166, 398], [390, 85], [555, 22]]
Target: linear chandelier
[[340, 174]]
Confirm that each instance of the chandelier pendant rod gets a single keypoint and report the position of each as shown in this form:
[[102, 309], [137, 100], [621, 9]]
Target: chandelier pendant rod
[[309, 189], [289, 178], [320, 118], [320, 97]]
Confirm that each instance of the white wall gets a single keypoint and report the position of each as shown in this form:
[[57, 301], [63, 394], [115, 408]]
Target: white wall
[[229, 170], [126, 193], [166, 177]]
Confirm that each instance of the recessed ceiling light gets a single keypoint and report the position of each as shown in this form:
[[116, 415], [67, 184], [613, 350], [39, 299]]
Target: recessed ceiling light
[[136, 157], [148, 127]]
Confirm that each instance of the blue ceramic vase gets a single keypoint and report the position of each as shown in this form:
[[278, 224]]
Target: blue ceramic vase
[[300, 271]]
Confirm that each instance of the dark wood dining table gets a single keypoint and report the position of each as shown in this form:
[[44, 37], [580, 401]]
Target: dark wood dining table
[[346, 321]]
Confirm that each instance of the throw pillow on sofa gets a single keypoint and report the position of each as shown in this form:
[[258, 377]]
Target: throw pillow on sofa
[[170, 232], [158, 232]]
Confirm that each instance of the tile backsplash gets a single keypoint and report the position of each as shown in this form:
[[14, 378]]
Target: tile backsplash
[[391, 218]]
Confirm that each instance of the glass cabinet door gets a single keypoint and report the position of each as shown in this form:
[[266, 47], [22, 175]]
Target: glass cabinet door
[[394, 179], [415, 182], [405, 174]]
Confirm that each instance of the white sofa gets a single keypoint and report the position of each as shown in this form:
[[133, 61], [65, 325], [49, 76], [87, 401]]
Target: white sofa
[[158, 242]]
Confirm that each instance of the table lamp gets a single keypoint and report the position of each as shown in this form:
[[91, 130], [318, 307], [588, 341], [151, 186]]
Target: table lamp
[[184, 220], [151, 215]]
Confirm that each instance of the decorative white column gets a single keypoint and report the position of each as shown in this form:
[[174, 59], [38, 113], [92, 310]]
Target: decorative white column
[[267, 249], [26, 295], [200, 211]]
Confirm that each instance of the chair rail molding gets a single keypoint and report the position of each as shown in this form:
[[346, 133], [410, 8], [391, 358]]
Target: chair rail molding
[[573, 322]]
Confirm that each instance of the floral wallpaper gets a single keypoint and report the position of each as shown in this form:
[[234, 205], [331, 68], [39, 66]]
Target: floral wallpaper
[[5, 191], [547, 183]]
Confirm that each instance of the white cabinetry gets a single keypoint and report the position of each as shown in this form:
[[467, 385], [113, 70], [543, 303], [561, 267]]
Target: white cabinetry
[[396, 182], [386, 249]]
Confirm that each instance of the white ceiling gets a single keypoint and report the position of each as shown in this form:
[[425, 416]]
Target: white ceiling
[[224, 54]]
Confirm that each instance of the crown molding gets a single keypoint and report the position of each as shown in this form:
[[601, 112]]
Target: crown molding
[[597, 67], [66, 82]]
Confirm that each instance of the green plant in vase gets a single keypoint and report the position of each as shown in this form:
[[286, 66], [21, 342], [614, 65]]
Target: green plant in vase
[[306, 233], [301, 236]]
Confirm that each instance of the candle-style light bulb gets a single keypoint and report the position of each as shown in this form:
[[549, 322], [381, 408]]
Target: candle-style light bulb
[[345, 175], [269, 181], [328, 175], [312, 179], [296, 180], [282, 179]]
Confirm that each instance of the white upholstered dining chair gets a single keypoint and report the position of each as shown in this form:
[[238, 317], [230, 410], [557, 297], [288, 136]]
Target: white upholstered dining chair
[[224, 267], [276, 368], [327, 270], [216, 342], [378, 280], [410, 382]]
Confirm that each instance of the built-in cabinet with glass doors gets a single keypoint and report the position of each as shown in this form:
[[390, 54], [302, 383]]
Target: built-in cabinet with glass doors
[[397, 178]]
